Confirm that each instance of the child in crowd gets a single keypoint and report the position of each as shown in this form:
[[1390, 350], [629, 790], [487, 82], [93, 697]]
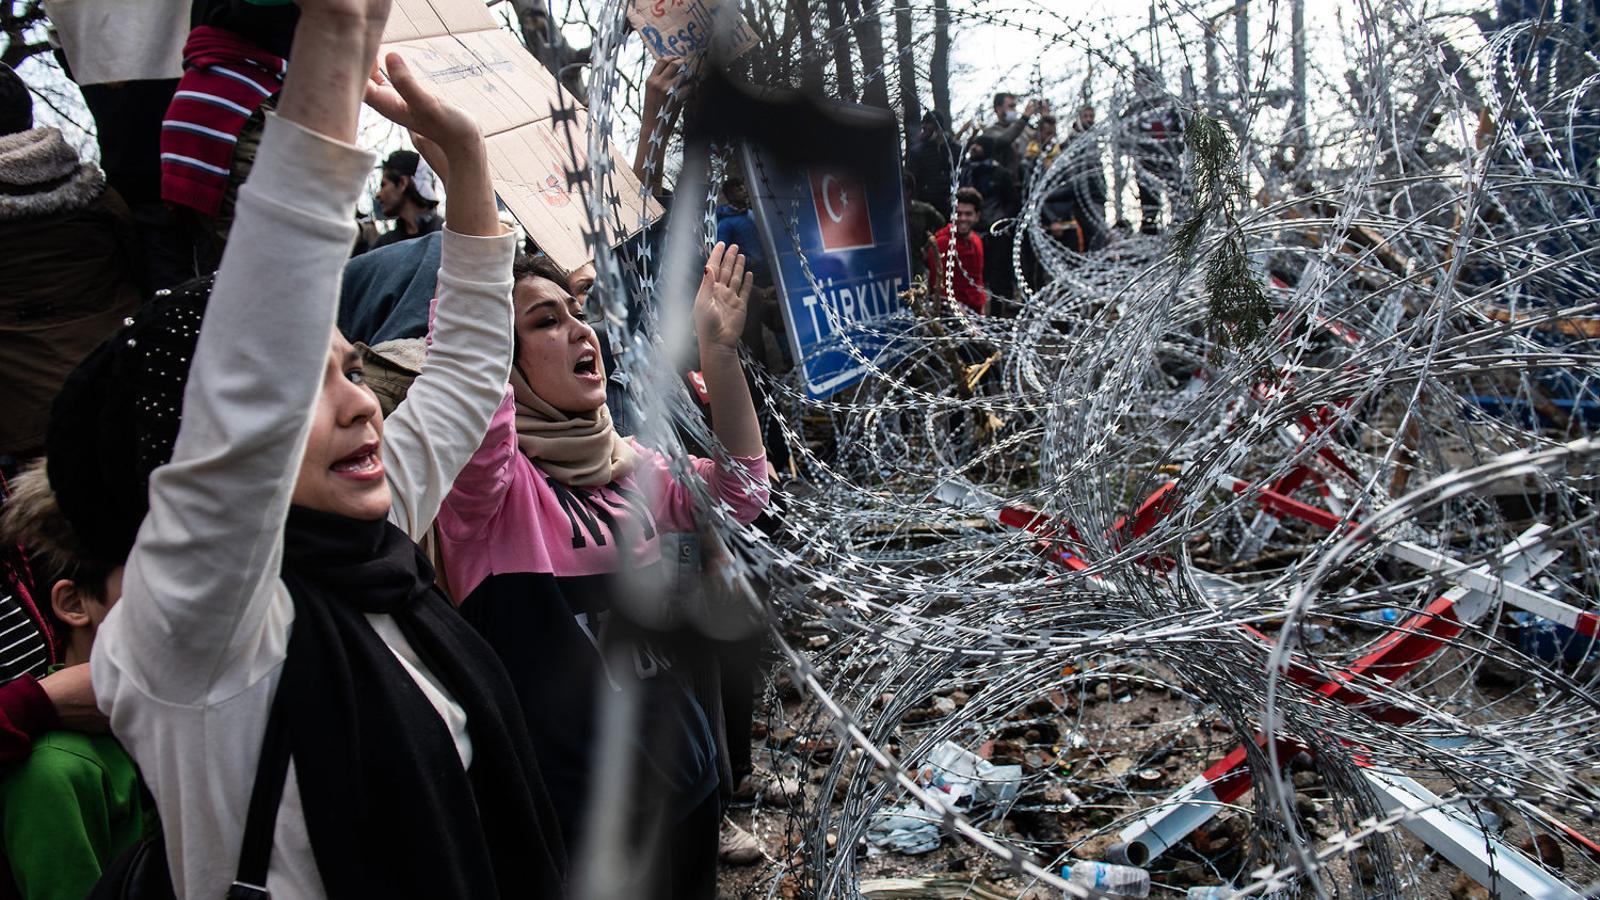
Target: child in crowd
[[76, 802], [550, 536], [224, 447]]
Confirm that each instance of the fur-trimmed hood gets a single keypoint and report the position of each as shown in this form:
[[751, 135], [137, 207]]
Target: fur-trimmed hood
[[40, 174]]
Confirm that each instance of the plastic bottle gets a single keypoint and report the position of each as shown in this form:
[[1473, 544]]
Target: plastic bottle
[[1118, 881], [1387, 615], [1209, 892]]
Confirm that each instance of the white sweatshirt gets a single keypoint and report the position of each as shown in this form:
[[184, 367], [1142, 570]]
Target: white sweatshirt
[[187, 663], [131, 40]]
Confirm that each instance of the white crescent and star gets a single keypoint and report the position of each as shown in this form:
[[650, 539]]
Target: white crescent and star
[[827, 198]]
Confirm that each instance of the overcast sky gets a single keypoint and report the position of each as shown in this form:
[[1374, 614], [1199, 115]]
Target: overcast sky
[[1051, 48]]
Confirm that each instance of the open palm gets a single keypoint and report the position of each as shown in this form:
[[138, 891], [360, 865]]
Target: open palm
[[438, 129], [719, 307]]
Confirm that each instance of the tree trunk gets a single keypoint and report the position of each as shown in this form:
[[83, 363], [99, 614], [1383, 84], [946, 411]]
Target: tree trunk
[[939, 73], [910, 103], [1212, 72], [839, 40], [810, 58], [1293, 146], [549, 46], [869, 40], [781, 59], [1241, 51]]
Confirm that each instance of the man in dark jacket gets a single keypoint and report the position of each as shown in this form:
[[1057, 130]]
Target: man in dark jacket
[[409, 195], [1155, 142], [998, 185], [1075, 213], [72, 266], [1010, 128], [932, 160]]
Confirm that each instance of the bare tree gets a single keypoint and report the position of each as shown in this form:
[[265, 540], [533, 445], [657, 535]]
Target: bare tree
[[939, 68], [840, 41], [22, 24], [811, 62], [775, 30], [869, 40], [910, 103]]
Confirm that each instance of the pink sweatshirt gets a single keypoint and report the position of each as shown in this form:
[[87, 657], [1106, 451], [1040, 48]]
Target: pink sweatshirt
[[505, 515]]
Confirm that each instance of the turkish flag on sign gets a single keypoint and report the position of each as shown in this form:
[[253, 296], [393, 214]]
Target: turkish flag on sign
[[841, 203]]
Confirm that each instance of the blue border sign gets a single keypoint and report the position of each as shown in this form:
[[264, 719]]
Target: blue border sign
[[849, 222]]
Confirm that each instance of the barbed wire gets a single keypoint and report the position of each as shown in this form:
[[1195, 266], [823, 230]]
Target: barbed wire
[[1227, 539]]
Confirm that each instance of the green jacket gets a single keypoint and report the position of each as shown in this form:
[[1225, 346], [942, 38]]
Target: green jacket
[[74, 805]]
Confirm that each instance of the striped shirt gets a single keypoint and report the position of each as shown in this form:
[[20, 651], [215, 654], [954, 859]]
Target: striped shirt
[[23, 650], [225, 80]]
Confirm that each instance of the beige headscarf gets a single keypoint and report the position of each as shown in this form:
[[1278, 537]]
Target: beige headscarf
[[578, 451]]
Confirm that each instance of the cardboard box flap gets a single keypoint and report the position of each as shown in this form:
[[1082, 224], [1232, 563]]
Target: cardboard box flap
[[413, 19], [536, 132]]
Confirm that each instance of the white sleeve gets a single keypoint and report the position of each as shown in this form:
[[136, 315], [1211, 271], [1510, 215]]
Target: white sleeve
[[199, 607], [447, 409]]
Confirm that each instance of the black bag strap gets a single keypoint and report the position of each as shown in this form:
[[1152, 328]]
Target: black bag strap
[[255, 854]]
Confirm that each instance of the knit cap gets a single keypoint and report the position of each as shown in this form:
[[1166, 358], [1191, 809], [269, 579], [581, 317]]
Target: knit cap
[[116, 420]]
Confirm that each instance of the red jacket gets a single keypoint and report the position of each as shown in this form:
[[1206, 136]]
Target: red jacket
[[965, 280], [25, 713]]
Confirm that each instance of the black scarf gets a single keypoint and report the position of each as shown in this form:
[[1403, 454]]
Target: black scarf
[[388, 808]]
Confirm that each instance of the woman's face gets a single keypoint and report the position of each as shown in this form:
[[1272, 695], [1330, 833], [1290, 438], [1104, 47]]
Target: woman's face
[[581, 282], [557, 352], [342, 471]]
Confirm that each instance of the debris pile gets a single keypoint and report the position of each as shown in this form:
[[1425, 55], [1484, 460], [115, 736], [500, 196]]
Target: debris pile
[[1308, 613]]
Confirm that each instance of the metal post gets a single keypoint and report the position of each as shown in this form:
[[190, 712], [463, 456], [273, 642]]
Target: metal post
[[1455, 836]]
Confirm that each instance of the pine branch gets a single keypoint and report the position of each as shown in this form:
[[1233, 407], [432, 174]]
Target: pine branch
[[1239, 311]]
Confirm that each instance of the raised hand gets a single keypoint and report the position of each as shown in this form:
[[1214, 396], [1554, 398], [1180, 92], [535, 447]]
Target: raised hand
[[334, 44], [649, 157], [720, 305], [439, 130], [447, 138], [719, 313], [663, 75]]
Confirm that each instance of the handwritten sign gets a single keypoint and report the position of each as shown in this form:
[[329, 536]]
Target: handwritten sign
[[536, 132], [672, 28]]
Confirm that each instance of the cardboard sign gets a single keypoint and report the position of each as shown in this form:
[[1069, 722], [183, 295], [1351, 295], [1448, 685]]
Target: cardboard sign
[[536, 132], [673, 28], [849, 223]]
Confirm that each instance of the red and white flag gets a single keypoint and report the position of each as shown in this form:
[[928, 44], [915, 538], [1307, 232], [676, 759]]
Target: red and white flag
[[841, 203]]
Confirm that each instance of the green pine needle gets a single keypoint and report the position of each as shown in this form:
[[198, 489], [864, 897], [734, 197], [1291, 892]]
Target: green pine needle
[[1239, 311]]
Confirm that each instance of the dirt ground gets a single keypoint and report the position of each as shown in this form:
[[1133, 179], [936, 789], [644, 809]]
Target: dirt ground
[[1094, 750]]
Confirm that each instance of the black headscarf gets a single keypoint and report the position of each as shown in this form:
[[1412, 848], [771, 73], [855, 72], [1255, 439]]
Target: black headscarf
[[388, 808]]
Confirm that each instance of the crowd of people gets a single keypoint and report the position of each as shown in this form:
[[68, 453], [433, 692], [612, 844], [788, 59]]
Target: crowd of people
[[985, 181]]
